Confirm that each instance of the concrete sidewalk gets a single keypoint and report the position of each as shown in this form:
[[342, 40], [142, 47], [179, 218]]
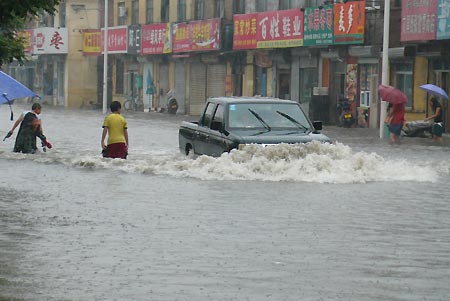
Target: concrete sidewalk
[[372, 136]]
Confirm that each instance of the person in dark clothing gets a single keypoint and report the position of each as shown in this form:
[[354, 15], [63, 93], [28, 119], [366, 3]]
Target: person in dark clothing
[[438, 126], [30, 128]]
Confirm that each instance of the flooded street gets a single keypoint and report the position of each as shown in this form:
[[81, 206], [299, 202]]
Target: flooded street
[[355, 220]]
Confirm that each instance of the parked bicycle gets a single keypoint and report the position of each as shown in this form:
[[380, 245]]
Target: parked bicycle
[[133, 104]]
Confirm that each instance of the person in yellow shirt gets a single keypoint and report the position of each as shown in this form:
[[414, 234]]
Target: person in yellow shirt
[[116, 127]]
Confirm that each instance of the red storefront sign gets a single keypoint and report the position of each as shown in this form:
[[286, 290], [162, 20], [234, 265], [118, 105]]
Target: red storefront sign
[[418, 20], [202, 35], [279, 29], [117, 39], [156, 39], [244, 33], [349, 19]]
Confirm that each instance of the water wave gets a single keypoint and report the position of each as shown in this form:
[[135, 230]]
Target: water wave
[[311, 162]]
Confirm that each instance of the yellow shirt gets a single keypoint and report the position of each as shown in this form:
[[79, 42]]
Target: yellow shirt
[[116, 125]]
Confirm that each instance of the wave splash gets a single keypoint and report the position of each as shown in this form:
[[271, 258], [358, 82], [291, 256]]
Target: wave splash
[[311, 162]]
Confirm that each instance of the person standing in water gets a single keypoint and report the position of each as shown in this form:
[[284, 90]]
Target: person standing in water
[[116, 127], [30, 128], [438, 126]]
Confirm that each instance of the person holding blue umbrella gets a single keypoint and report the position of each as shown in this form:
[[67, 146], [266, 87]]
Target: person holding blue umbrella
[[438, 126]]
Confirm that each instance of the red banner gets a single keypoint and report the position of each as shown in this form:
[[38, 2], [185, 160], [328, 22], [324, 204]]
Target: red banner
[[279, 29], [349, 19], [244, 31], [156, 39], [117, 39], [418, 20], [200, 35]]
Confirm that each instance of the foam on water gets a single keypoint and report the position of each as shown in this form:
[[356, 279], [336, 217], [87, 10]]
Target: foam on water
[[311, 162]]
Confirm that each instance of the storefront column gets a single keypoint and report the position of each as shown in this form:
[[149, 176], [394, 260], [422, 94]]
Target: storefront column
[[295, 79], [249, 74]]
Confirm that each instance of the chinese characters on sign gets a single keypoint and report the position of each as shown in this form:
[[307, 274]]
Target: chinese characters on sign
[[244, 34], [49, 40], [92, 42], [349, 21], [196, 36], [418, 20], [279, 29], [156, 39], [318, 25], [134, 39], [116, 40]]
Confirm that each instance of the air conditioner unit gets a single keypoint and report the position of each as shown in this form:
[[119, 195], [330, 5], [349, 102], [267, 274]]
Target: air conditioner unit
[[122, 11]]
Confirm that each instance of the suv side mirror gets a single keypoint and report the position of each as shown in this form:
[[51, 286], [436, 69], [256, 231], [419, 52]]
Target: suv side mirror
[[216, 125], [317, 125]]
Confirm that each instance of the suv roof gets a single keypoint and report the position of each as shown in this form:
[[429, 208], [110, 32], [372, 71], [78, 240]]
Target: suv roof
[[254, 99]]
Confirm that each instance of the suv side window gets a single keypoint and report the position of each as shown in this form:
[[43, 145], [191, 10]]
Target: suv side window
[[207, 117], [218, 118]]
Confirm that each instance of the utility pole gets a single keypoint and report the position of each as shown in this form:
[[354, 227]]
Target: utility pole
[[385, 62], [105, 60]]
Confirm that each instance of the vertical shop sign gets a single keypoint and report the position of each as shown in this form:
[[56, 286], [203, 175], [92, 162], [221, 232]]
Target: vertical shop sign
[[156, 39], [244, 31], [418, 20], [92, 42], [134, 39], [351, 83], [279, 29], [318, 25], [349, 19], [443, 20], [117, 40]]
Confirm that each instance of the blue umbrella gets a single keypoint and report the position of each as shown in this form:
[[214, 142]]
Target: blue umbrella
[[11, 89], [435, 90]]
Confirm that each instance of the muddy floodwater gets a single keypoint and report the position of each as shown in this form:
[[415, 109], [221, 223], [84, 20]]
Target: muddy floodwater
[[353, 220]]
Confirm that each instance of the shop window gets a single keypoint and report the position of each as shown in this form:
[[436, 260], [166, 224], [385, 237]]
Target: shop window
[[135, 12], [165, 11], [62, 14], [261, 5], [149, 12], [403, 80], [368, 74], [220, 8], [308, 80], [239, 7], [119, 77], [121, 13], [284, 4], [181, 10], [199, 9]]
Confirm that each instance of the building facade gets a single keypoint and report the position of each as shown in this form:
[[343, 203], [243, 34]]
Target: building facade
[[315, 52]]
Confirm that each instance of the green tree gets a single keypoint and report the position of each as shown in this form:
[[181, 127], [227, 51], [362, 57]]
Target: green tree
[[14, 15]]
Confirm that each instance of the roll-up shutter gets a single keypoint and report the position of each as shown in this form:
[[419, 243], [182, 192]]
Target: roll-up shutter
[[197, 88], [217, 74], [180, 86], [163, 84]]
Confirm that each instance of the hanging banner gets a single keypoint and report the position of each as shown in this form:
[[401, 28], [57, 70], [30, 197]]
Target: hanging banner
[[318, 26], [279, 29], [418, 20], [202, 35], [92, 42], [244, 31], [349, 19], [117, 39], [48, 40], [156, 39], [443, 20]]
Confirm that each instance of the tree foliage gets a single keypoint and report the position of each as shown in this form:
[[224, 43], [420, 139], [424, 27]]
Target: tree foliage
[[14, 15]]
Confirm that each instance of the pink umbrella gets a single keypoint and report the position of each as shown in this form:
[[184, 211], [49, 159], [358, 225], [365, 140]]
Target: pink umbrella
[[392, 95]]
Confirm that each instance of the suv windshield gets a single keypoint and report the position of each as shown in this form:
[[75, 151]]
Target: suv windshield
[[271, 116]]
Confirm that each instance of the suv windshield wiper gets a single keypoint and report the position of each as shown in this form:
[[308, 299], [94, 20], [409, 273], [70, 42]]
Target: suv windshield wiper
[[298, 124], [260, 119]]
